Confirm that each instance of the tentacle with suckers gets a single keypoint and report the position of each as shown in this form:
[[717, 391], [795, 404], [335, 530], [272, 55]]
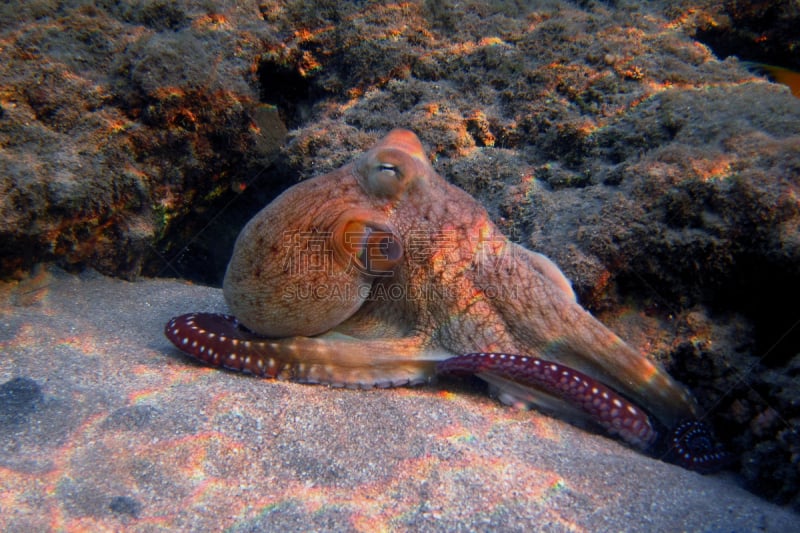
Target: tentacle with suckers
[[220, 340], [691, 444], [600, 403]]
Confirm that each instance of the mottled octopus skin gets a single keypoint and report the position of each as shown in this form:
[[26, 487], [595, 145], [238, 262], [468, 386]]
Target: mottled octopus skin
[[375, 273]]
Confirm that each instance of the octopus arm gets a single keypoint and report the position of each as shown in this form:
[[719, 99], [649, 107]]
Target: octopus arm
[[547, 268], [558, 388], [335, 359], [567, 392]]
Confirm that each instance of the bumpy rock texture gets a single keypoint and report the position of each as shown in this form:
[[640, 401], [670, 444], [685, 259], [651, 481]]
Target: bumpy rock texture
[[137, 138], [119, 119]]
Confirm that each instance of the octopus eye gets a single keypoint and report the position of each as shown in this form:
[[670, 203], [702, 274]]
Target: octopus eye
[[395, 167], [371, 248], [388, 170], [386, 178]]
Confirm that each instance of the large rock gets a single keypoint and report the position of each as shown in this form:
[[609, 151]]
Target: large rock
[[116, 121]]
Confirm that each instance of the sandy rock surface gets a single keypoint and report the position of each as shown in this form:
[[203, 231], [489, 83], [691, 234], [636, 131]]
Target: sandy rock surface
[[105, 427]]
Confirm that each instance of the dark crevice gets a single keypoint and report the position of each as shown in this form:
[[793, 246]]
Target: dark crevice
[[286, 88], [206, 237], [759, 31]]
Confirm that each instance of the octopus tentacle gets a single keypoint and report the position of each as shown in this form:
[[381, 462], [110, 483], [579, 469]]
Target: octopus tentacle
[[692, 445], [603, 405], [339, 360], [221, 340]]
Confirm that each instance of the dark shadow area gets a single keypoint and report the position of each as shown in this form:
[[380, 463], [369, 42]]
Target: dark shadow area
[[766, 32]]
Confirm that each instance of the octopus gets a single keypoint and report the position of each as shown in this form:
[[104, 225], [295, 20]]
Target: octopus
[[383, 274]]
